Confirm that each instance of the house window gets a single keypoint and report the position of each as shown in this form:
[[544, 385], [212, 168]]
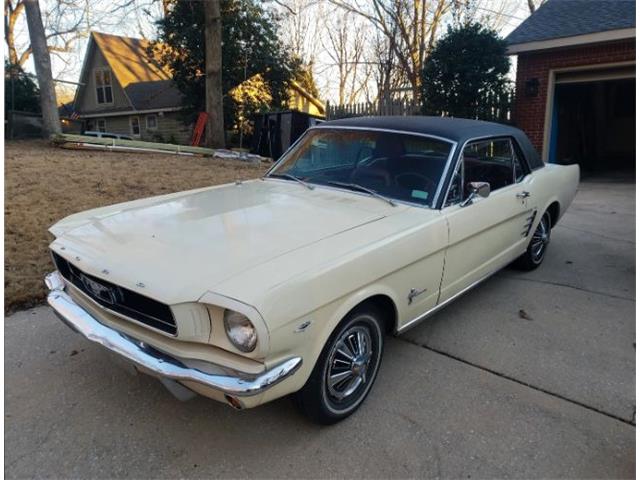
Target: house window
[[152, 122], [102, 125], [104, 91], [135, 126]]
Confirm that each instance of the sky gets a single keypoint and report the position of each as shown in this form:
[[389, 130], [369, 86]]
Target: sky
[[139, 23]]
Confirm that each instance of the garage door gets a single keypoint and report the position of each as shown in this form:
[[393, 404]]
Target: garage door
[[593, 120]]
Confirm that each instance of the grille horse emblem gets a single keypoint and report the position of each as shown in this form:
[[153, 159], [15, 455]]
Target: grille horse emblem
[[100, 291]]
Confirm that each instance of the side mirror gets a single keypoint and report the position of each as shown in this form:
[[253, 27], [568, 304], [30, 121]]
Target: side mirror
[[476, 189]]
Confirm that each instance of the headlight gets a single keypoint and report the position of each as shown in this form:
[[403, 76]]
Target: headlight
[[240, 331]]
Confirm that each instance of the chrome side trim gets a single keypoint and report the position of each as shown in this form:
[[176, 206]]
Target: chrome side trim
[[157, 362], [433, 310]]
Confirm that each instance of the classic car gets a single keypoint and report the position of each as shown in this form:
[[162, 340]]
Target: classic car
[[288, 284]]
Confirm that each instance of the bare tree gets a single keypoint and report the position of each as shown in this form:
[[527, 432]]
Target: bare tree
[[42, 61], [533, 5], [345, 43], [299, 28], [61, 22], [387, 74], [410, 25], [214, 133], [67, 21], [13, 11]]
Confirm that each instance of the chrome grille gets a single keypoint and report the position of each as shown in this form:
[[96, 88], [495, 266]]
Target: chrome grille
[[117, 299]]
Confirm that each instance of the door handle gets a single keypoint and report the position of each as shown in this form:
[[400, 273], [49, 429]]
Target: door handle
[[523, 194]]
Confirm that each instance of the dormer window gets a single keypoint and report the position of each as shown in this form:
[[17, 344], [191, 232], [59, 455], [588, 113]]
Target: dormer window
[[104, 92]]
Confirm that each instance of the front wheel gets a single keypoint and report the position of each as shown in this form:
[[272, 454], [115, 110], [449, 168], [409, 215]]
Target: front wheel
[[533, 257], [346, 368]]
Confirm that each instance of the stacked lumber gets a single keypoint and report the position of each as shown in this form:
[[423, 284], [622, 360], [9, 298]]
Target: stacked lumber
[[85, 142]]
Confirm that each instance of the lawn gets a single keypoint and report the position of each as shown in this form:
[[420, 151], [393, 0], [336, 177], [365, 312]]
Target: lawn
[[44, 184]]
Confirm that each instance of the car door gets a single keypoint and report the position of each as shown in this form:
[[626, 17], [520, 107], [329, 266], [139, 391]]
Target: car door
[[487, 233]]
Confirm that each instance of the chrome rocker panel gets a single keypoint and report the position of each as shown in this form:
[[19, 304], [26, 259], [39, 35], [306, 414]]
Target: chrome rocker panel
[[159, 363]]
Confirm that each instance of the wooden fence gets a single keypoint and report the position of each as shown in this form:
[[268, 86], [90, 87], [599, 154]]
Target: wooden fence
[[394, 107], [496, 109]]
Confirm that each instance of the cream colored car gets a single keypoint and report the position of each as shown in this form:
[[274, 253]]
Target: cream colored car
[[288, 284]]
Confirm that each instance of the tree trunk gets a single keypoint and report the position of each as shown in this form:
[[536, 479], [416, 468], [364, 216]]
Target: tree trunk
[[42, 61], [214, 134]]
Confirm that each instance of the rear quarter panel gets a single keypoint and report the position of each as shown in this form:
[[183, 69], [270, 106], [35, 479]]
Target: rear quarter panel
[[554, 183]]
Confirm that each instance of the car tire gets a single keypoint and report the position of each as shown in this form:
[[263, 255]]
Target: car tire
[[533, 257], [346, 369]]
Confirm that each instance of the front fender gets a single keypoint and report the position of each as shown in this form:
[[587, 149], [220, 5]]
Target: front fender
[[310, 333]]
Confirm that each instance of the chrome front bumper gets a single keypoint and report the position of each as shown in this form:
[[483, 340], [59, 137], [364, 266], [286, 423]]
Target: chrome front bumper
[[159, 363]]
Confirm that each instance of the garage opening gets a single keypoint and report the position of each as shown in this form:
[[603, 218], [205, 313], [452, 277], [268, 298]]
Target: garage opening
[[593, 122]]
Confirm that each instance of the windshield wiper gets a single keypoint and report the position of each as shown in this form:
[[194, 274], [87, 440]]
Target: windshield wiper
[[355, 186], [292, 177]]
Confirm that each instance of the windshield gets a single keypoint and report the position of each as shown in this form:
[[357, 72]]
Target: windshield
[[394, 165]]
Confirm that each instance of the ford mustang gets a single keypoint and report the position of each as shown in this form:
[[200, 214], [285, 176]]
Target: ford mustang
[[288, 284]]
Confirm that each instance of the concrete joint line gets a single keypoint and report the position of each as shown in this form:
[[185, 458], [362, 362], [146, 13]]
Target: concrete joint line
[[525, 384], [558, 284], [613, 239]]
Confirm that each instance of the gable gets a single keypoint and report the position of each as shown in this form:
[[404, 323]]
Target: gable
[[129, 60], [86, 96], [138, 83]]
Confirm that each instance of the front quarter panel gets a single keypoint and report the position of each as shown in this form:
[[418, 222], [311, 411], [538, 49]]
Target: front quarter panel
[[303, 306]]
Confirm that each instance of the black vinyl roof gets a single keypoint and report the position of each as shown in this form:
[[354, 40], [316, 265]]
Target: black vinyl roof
[[567, 18], [458, 130]]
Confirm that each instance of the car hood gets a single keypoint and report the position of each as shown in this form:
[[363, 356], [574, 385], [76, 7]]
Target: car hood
[[176, 247]]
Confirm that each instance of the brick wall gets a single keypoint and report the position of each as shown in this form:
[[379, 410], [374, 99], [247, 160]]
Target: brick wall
[[530, 111]]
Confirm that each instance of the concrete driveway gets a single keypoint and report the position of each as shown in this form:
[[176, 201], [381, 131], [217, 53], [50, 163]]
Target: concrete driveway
[[530, 375]]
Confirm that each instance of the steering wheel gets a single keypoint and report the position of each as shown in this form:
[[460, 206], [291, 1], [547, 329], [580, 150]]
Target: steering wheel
[[377, 174], [427, 184]]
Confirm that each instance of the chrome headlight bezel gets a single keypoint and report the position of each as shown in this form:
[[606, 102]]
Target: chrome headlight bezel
[[240, 331]]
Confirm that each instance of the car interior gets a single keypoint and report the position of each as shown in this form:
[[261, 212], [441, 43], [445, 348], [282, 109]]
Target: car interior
[[386, 164]]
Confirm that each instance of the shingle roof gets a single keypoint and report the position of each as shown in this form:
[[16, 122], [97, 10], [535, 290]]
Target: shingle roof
[[568, 18], [145, 80], [129, 60], [151, 95]]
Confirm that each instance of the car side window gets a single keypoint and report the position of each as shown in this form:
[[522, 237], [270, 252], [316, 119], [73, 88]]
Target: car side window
[[520, 168], [490, 161], [455, 191]]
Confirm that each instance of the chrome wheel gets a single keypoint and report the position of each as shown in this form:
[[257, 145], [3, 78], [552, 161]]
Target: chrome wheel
[[346, 368], [349, 362], [540, 239]]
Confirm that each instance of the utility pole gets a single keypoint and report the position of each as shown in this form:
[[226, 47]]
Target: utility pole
[[214, 132], [42, 61]]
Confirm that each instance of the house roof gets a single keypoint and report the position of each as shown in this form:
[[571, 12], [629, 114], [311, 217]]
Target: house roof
[[146, 82], [155, 94], [129, 59], [569, 18]]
